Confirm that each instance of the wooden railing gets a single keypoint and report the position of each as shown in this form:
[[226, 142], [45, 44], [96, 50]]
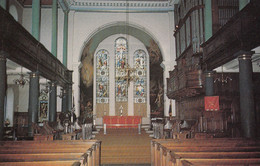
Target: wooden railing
[[184, 83], [22, 48], [241, 32]]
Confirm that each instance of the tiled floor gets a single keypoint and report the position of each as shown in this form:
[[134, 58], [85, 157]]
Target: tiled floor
[[125, 147]]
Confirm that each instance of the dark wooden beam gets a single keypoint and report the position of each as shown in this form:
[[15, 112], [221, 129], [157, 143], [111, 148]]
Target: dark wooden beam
[[242, 32], [26, 51]]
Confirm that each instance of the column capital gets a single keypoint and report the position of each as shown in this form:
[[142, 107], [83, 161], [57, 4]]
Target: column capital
[[52, 83], [64, 90], [209, 74], [3, 56], [34, 74], [243, 55]]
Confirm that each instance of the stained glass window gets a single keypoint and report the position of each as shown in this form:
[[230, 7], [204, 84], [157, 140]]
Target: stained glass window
[[121, 51], [140, 72], [102, 76]]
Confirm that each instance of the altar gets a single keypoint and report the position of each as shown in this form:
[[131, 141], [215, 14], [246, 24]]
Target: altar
[[122, 121]]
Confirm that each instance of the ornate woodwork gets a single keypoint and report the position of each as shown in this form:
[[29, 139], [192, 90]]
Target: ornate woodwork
[[241, 32], [232, 31], [25, 50]]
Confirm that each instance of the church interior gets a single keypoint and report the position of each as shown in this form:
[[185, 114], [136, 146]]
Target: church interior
[[129, 82]]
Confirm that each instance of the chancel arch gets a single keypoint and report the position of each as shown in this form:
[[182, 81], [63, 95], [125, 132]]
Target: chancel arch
[[154, 83]]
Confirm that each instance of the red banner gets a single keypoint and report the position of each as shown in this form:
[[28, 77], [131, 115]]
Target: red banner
[[211, 103]]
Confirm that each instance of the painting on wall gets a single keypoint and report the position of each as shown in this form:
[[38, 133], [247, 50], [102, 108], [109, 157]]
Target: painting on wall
[[86, 85], [43, 111], [156, 80]]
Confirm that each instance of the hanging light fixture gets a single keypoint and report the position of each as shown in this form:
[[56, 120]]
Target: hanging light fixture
[[223, 79], [21, 81]]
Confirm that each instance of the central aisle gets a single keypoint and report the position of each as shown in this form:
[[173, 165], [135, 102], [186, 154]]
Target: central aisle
[[125, 146]]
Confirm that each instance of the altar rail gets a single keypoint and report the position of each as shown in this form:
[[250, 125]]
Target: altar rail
[[122, 121]]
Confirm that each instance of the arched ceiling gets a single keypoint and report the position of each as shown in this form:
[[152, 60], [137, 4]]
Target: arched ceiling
[[123, 28]]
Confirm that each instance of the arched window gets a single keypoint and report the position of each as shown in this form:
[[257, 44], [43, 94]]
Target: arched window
[[121, 51], [102, 76], [140, 72]]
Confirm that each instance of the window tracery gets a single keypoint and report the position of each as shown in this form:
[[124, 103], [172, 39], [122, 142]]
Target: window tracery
[[121, 52], [102, 76], [140, 84]]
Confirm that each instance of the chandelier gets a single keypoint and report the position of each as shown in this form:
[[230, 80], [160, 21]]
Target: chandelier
[[223, 79], [21, 81]]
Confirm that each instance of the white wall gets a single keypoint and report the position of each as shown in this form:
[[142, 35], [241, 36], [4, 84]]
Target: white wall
[[46, 28], [9, 114], [86, 24], [83, 24]]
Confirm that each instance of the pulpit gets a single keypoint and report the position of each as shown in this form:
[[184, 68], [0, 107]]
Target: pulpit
[[122, 121]]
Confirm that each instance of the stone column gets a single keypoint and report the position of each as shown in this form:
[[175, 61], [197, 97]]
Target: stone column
[[33, 101], [36, 19], [65, 38], [64, 100], [69, 102], [208, 19], [166, 69], [3, 87], [247, 106], [53, 102], [209, 83], [3, 4], [54, 27]]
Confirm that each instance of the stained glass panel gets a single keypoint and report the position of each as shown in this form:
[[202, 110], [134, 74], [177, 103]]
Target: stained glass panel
[[102, 76], [140, 84], [121, 51]]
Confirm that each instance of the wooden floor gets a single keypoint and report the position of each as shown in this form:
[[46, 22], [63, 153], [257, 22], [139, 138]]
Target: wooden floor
[[125, 147]]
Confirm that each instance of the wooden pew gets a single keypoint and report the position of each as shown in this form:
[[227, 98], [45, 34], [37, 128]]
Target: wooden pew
[[230, 161], [179, 157], [171, 158], [209, 145], [89, 150], [164, 151], [39, 157], [42, 163]]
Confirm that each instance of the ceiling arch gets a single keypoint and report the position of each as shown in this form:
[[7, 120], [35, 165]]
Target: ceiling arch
[[140, 33]]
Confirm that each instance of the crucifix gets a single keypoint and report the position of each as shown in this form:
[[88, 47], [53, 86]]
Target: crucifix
[[129, 75]]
